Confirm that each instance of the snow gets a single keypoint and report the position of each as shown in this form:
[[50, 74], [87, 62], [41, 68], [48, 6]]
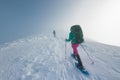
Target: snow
[[44, 57]]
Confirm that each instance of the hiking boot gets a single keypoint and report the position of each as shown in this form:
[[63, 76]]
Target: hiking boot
[[74, 56], [81, 67]]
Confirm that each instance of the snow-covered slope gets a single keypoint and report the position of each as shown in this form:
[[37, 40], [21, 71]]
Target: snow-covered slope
[[47, 58]]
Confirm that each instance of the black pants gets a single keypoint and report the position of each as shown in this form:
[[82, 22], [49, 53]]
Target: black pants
[[79, 61]]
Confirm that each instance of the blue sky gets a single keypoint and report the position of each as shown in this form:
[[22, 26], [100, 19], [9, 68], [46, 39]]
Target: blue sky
[[20, 18], [98, 18]]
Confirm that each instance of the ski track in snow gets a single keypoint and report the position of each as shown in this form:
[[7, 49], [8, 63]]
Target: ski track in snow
[[44, 58]]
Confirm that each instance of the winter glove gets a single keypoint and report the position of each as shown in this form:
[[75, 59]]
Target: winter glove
[[67, 40]]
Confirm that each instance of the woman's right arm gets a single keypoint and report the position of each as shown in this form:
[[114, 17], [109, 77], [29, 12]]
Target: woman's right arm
[[70, 36]]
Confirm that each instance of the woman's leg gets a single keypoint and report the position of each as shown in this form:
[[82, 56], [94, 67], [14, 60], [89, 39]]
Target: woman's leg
[[75, 46], [79, 61]]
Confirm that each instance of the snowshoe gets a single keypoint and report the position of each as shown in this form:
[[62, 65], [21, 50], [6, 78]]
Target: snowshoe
[[82, 69]]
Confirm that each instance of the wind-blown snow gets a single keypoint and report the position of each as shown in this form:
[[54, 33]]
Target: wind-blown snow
[[47, 58]]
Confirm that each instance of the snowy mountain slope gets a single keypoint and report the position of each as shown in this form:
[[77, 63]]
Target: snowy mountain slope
[[47, 58]]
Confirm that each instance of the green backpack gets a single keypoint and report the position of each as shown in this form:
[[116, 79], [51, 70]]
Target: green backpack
[[77, 31]]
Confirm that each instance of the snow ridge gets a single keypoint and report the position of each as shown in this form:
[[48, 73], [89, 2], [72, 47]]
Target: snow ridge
[[43, 58]]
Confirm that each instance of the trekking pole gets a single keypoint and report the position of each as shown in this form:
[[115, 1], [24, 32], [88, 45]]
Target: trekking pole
[[65, 51], [92, 62]]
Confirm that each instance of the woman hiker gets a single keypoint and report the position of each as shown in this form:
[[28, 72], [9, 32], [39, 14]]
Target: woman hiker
[[76, 37]]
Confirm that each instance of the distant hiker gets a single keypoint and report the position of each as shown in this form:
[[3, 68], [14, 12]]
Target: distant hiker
[[54, 33], [76, 37]]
